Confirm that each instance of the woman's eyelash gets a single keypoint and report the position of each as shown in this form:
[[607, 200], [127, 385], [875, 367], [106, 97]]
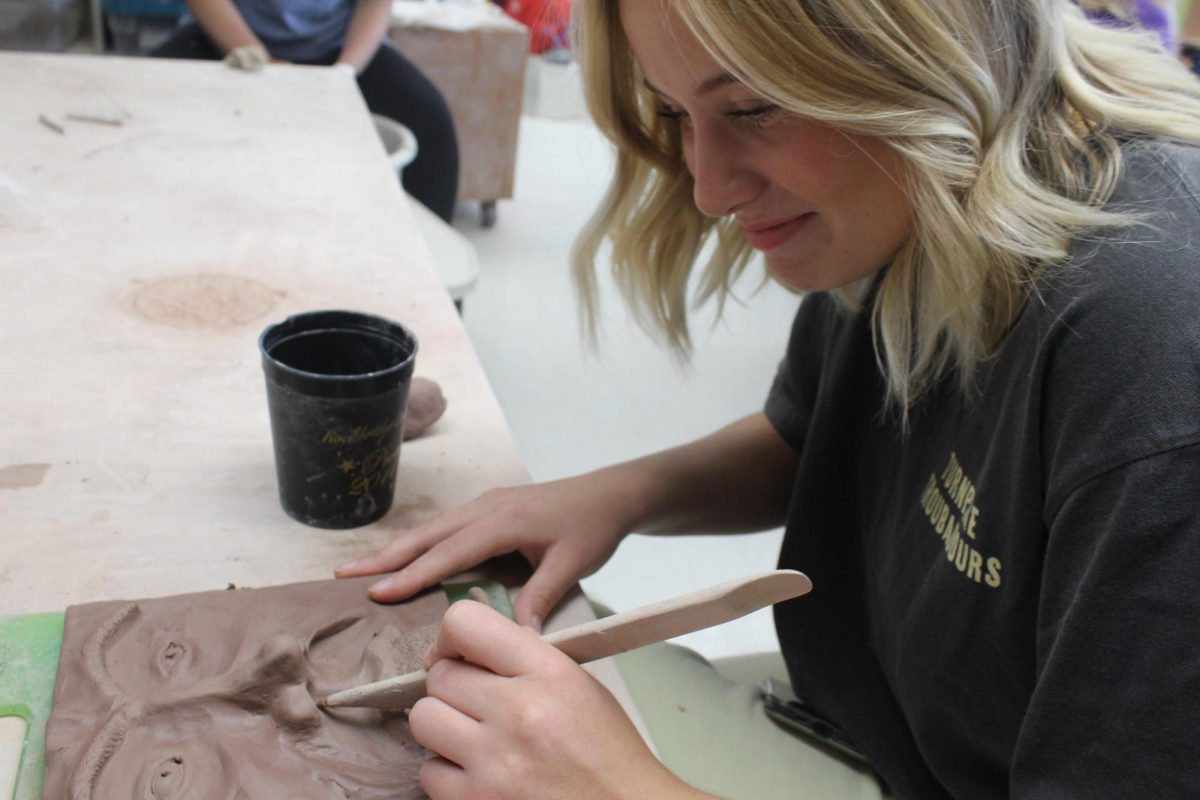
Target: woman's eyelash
[[757, 111]]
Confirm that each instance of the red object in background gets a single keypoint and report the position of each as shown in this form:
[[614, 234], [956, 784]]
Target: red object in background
[[548, 22]]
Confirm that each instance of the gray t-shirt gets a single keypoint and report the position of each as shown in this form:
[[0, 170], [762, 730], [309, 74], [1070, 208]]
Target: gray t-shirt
[[1005, 601], [299, 30]]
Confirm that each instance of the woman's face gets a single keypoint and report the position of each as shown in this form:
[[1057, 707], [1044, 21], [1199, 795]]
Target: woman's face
[[826, 208]]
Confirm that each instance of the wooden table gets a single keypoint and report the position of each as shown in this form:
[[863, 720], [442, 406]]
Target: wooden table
[[138, 264]]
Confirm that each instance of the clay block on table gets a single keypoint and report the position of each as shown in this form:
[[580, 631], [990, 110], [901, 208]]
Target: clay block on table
[[480, 71], [213, 695]]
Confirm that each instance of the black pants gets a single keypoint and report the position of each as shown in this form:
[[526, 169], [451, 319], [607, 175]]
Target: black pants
[[393, 87]]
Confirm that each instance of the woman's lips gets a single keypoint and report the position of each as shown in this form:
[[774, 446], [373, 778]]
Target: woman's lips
[[771, 236]]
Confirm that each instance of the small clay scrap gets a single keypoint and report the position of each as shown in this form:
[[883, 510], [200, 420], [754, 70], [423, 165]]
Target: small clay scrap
[[212, 695], [250, 57], [96, 119], [426, 404], [51, 124]]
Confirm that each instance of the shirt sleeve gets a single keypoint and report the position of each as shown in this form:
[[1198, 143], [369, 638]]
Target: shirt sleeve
[[1116, 704], [793, 394]]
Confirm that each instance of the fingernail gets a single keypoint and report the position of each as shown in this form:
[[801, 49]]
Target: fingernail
[[425, 658], [377, 586], [535, 622], [347, 565]]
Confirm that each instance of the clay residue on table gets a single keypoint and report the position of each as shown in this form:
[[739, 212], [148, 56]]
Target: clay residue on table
[[205, 300], [213, 695], [23, 476]]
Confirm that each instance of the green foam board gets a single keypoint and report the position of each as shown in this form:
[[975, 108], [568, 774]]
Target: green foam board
[[29, 648]]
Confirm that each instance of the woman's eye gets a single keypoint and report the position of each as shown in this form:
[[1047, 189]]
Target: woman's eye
[[757, 115]]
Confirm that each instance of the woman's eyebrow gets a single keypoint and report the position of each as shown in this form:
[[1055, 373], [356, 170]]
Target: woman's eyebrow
[[704, 87]]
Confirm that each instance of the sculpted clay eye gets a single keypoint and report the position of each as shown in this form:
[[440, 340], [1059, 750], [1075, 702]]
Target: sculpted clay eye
[[168, 779], [172, 658]]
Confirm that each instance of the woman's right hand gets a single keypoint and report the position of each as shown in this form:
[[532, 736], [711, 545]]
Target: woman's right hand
[[510, 717], [566, 529]]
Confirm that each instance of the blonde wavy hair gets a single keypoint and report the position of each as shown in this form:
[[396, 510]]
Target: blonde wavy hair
[[1009, 116]]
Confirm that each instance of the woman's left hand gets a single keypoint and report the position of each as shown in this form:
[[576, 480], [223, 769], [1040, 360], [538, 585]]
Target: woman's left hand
[[509, 716]]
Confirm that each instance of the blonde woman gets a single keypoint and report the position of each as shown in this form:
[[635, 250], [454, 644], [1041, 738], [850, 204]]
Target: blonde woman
[[984, 438]]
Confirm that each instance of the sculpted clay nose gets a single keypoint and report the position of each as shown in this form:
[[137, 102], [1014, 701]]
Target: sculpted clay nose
[[281, 659], [276, 681]]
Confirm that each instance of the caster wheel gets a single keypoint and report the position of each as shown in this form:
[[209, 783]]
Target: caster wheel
[[488, 207]]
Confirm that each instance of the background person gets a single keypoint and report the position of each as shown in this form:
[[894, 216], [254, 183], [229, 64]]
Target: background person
[[349, 32], [1157, 16], [984, 439], [1190, 36]]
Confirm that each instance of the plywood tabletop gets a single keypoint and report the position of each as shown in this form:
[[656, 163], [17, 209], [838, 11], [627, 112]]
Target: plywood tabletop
[[138, 264]]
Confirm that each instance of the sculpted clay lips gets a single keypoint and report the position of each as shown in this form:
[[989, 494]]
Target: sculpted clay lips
[[769, 238]]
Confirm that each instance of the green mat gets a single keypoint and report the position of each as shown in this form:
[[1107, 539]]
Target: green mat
[[29, 647]]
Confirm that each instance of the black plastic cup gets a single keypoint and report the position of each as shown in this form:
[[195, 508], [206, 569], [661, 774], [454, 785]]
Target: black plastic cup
[[337, 386]]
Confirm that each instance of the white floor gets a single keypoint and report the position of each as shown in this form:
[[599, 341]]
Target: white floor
[[572, 411]]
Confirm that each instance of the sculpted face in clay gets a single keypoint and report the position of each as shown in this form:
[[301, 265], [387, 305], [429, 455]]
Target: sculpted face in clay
[[212, 696]]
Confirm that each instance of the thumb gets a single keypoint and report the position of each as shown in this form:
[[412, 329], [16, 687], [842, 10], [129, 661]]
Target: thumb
[[543, 590]]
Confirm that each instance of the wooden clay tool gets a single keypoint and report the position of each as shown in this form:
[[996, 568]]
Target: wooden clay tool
[[619, 633]]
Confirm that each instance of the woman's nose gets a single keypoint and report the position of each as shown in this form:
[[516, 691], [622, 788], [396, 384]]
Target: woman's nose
[[722, 177]]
